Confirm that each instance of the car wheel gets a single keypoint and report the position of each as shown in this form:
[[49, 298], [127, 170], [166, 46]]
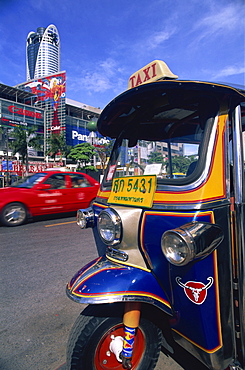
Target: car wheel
[[90, 337], [13, 214]]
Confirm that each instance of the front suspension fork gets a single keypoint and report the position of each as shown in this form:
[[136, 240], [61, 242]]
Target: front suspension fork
[[131, 320]]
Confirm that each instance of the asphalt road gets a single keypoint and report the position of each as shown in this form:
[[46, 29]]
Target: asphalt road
[[37, 260]]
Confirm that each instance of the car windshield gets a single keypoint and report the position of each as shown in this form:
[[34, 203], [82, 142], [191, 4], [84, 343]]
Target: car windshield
[[29, 181], [168, 139]]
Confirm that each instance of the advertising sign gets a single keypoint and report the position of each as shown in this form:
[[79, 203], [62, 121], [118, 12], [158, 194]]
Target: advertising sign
[[17, 115], [77, 135], [50, 89], [4, 165], [33, 167]]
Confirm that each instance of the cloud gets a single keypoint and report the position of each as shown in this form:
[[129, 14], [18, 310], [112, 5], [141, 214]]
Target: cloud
[[106, 76], [225, 20], [230, 71], [47, 5], [95, 82], [158, 38]]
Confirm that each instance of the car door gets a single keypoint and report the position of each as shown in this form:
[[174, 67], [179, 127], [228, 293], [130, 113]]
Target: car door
[[82, 191], [54, 199]]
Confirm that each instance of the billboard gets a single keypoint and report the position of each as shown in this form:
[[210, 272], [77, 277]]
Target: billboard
[[50, 92], [5, 164], [17, 115], [78, 135]]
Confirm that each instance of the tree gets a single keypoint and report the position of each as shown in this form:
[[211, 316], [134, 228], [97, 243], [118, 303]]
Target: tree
[[155, 157], [83, 155], [100, 150], [24, 138], [181, 164], [57, 145], [104, 151]]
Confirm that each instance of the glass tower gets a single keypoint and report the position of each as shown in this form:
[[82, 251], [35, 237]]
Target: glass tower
[[42, 52]]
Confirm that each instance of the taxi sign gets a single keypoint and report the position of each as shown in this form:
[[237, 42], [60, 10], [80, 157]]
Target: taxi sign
[[151, 72], [133, 191]]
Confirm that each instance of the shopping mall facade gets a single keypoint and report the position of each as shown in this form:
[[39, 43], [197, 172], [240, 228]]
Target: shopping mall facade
[[41, 103]]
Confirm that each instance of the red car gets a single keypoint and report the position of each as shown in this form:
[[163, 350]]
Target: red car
[[46, 193]]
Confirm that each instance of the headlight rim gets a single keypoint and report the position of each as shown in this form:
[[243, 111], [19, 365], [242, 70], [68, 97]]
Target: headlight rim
[[117, 225], [185, 237], [85, 218], [201, 239]]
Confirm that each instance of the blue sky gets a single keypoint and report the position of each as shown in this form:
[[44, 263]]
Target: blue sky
[[104, 41]]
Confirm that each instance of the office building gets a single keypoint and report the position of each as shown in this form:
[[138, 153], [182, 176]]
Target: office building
[[28, 106], [61, 114], [42, 52]]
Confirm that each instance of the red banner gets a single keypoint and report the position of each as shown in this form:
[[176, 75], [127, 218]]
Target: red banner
[[33, 167]]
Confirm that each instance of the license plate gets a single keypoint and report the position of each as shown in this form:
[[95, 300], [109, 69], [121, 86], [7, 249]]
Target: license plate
[[133, 191]]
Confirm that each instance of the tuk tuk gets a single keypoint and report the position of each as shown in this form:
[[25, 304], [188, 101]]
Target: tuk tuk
[[171, 249]]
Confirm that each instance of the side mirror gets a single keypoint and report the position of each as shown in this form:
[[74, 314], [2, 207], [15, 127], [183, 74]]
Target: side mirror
[[43, 186]]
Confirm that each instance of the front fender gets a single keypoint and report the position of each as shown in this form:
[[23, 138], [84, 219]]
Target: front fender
[[105, 281]]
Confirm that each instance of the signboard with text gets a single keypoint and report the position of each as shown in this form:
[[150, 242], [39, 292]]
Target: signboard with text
[[78, 135]]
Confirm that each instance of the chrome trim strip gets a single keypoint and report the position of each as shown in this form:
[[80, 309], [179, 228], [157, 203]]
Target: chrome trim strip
[[127, 297], [130, 217], [237, 155], [179, 206], [238, 173], [187, 206]]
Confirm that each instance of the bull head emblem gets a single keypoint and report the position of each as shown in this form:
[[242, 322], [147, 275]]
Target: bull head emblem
[[195, 291]]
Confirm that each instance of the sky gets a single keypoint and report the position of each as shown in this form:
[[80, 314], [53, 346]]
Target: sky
[[104, 41]]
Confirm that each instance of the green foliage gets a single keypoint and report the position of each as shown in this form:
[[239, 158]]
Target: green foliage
[[104, 151], [57, 144], [108, 147], [155, 157], [181, 164], [24, 138], [83, 155]]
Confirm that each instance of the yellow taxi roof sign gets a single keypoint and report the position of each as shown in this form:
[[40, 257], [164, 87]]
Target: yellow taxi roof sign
[[151, 72]]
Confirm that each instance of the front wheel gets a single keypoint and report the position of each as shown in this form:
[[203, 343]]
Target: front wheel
[[13, 214], [90, 338]]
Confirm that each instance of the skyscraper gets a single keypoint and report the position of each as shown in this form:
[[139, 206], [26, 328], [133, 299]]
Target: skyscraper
[[42, 52]]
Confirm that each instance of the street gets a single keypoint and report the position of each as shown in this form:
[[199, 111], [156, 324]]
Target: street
[[37, 260]]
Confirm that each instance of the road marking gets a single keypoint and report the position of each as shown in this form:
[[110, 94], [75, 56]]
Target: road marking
[[63, 223]]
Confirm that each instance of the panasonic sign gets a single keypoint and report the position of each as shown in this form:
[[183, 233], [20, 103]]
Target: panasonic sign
[[76, 136]]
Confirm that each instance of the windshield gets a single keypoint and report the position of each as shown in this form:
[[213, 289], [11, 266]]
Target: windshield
[[29, 181], [165, 138], [167, 160]]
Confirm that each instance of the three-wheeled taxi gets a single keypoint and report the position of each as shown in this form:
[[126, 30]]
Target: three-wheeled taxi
[[171, 248]]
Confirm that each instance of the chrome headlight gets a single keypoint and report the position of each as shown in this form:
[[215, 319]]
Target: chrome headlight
[[194, 240], [85, 218], [175, 248], [110, 226]]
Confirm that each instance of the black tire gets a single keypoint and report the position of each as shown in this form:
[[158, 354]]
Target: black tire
[[90, 335], [13, 214]]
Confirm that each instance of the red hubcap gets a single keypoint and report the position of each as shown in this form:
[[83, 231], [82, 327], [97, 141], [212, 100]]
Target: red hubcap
[[105, 360]]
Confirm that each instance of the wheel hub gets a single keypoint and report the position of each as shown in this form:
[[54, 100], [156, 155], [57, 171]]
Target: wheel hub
[[110, 347], [116, 346], [15, 214]]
